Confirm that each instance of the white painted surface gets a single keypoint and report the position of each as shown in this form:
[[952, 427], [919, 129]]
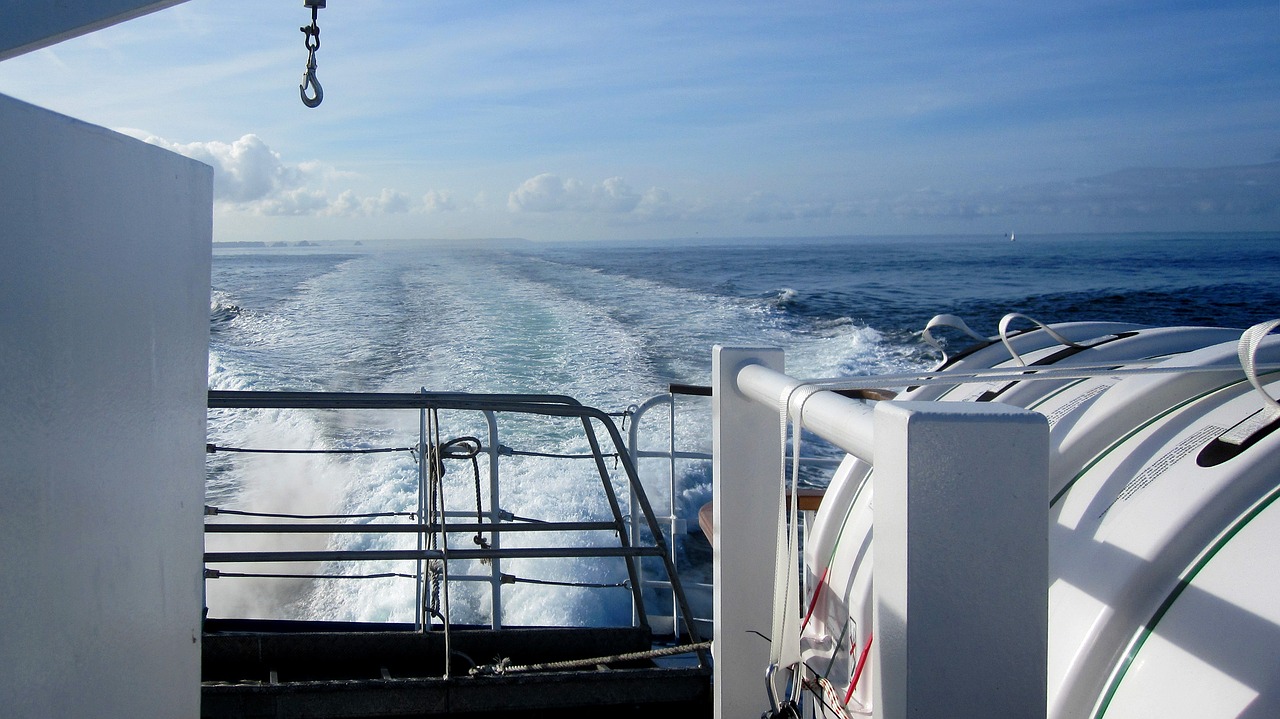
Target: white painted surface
[[32, 24], [1219, 642], [104, 291], [961, 560], [746, 444], [841, 420]]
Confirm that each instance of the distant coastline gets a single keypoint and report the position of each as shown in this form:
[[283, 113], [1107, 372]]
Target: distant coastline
[[746, 241], [300, 243]]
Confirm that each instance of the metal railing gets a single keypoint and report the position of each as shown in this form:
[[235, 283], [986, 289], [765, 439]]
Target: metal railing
[[670, 456], [637, 530]]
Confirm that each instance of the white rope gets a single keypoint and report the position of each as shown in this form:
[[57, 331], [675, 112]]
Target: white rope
[[784, 647], [783, 653], [946, 321], [1004, 334], [1247, 350]]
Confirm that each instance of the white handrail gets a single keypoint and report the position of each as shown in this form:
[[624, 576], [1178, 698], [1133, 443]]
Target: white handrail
[[952, 481], [845, 422]]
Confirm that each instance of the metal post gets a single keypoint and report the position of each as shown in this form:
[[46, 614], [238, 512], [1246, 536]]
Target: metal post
[[495, 516], [435, 498], [671, 511], [961, 560], [420, 619], [747, 456], [632, 563]]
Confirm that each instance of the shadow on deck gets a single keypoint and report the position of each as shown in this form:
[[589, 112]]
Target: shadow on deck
[[356, 670]]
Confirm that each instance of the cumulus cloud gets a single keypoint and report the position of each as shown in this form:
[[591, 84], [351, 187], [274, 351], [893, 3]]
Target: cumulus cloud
[[298, 201], [244, 171], [248, 175], [547, 193], [614, 195], [438, 201], [388, 202], [612, 198]]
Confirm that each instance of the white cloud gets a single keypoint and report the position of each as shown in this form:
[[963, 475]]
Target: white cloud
[[612, 198], [438, 201], [298, 201], [614, 195], [350, 204], [244, 171], [249, 176], [546, 193]]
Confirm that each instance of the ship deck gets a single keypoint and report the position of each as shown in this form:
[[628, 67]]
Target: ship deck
[[356, 670]]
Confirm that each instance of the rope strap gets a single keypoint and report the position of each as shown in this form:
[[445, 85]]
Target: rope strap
[[946, 321], [1004, 334], [1247, 350]]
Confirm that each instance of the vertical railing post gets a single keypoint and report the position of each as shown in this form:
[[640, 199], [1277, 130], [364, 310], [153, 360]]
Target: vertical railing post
[[633, 527], [961, 560], [747, 453], [419, 611], [671, 510], [495, 516]]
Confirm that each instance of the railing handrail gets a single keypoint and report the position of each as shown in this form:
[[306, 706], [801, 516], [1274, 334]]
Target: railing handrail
[[845, 422], [286, 399], [536, 404]]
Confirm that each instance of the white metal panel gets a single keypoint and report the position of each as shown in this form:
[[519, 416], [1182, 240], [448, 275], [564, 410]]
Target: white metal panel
[[745, 475], [104, 330], [961, 556]]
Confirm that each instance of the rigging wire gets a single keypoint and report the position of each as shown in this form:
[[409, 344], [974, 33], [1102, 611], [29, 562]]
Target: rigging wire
[[215, 448], [219, 574], [211, 511], [512, 579], [503, 666]]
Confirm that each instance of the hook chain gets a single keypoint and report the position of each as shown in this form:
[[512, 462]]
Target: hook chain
[[312, 42]]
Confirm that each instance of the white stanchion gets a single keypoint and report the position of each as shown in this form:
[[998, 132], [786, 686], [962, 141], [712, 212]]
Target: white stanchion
[[961, 542]]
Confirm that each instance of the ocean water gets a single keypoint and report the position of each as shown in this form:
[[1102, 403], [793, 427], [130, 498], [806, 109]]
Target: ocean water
[[611, 324]]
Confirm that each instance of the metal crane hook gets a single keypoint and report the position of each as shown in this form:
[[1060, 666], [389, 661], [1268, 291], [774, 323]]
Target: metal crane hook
[[309, 80], [312, 42]]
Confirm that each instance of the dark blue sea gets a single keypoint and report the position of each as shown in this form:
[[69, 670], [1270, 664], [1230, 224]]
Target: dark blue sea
[[613, 324]]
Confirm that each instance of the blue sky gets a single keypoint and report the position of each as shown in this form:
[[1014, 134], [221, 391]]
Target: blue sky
[[602, 120]]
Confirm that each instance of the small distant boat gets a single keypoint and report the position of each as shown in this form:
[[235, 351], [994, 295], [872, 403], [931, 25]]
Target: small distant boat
[[1011, 237]]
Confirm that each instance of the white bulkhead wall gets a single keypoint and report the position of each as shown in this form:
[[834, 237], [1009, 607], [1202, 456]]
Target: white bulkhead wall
[[105, 248]]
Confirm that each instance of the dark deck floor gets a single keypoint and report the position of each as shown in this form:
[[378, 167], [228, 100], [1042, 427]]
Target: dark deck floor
[[331, 670]]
